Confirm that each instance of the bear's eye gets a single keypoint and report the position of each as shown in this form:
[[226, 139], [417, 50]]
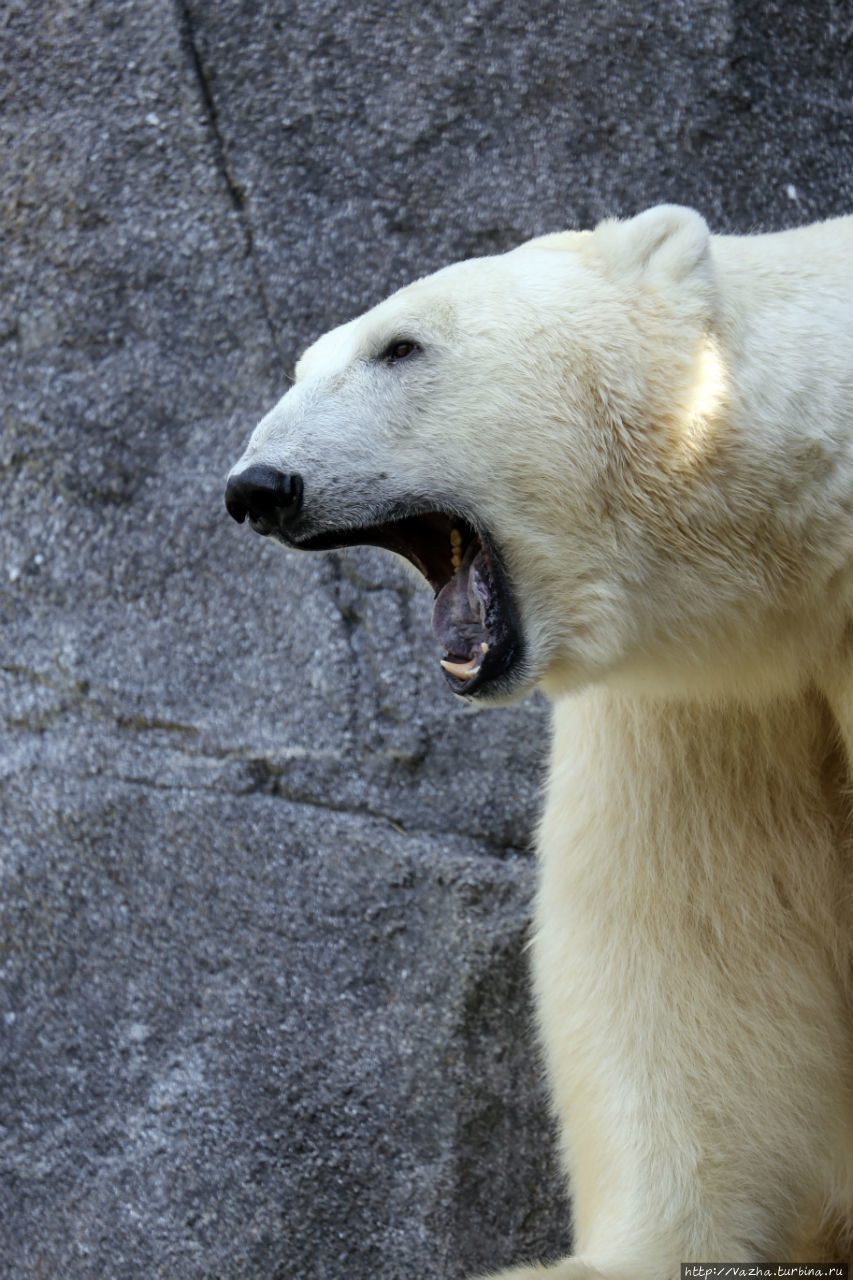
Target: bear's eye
[[399, 349]]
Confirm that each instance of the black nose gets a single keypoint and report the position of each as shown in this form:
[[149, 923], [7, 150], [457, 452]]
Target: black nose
[[269, 497]]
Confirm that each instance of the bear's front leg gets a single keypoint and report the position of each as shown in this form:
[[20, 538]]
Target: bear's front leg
[[688, 999]]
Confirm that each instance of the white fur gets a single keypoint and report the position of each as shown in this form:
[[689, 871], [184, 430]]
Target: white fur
[[656, 426]]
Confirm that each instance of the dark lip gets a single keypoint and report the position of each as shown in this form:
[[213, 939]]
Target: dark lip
[[421, 535], [415, 534]]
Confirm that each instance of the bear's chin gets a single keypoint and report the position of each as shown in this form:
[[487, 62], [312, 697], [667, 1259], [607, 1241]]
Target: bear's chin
[[474, 616]]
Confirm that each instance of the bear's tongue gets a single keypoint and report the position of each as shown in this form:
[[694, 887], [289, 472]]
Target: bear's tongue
[[461, 614]]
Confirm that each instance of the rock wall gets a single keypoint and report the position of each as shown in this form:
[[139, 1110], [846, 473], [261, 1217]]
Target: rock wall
[[265, 884]]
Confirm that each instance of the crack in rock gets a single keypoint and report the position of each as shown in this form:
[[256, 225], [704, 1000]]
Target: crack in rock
[[236, 193]]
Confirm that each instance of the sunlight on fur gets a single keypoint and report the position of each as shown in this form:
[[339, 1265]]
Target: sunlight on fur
[[708, 398]]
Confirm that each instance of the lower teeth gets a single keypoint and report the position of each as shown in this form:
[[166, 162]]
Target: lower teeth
[[462, 670], [465, 670]]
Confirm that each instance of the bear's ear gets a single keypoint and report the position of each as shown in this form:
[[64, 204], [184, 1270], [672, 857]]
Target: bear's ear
[[665, 245]]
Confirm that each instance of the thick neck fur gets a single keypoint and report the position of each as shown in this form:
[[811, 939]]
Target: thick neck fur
[[695, 902]]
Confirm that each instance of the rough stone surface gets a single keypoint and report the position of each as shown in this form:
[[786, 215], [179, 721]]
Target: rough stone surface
[[265, 885]]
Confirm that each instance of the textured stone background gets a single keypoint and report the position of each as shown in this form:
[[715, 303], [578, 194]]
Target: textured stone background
[[263, 1006]]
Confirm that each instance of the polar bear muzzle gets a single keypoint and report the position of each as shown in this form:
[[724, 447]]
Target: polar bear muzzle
[[474, 616]]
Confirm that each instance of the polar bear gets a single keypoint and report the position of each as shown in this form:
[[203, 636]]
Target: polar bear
[[623, 461]]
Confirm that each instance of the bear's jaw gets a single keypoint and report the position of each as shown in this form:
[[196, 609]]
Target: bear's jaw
[[474, 616], [475, 621]]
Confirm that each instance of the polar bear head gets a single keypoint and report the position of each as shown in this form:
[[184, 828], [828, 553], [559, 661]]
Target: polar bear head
[[523, 429]]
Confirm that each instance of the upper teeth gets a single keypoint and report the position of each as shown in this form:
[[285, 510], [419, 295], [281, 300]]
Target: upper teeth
[[455, 548]]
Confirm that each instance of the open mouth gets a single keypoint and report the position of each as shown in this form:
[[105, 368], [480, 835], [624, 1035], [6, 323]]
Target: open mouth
[[474, 616]]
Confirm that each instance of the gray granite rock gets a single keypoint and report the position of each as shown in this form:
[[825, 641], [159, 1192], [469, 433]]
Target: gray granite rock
[[265, 885]]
